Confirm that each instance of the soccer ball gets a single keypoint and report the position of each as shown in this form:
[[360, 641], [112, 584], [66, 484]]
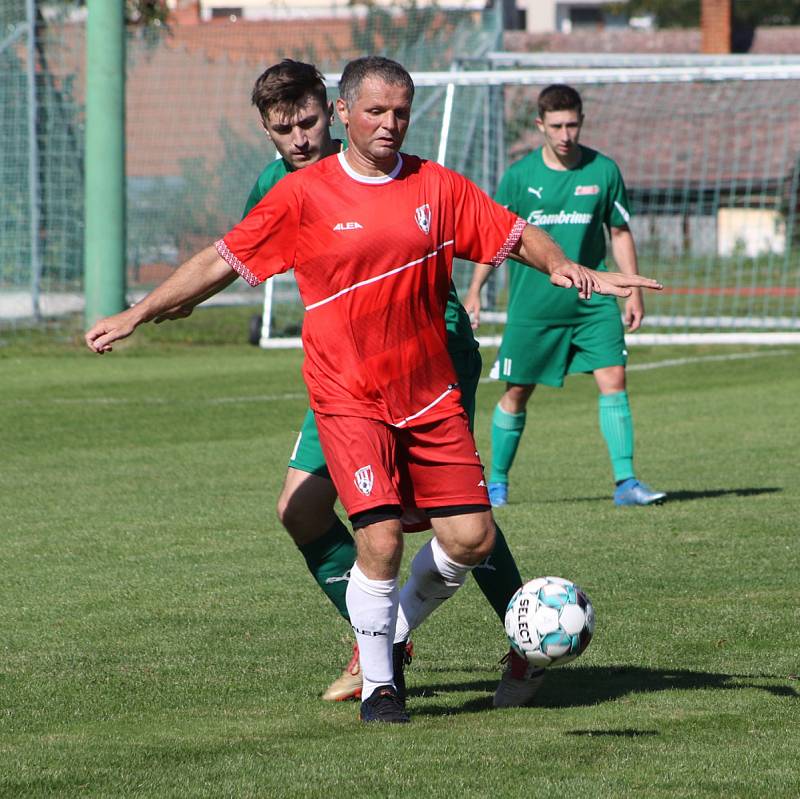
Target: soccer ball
[[549, 621]]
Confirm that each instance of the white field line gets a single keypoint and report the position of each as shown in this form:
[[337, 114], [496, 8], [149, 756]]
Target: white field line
[[164, 401], [733, 356]]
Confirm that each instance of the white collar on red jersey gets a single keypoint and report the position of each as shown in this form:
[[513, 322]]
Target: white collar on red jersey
[[368, 179]]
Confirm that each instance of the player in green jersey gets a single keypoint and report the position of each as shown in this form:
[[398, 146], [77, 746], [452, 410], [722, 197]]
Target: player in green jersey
[[296, 116], [573, 193]]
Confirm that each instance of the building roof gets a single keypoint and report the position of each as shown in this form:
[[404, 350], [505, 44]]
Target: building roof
[[183, 92], [765, 40]]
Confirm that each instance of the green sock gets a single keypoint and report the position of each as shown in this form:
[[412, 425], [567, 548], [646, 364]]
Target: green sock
[[506, 432], [330, 559], [498, 576], [616, 425]]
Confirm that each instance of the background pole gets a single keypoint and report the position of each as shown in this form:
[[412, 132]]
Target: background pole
[[104, 234], [33, 162]]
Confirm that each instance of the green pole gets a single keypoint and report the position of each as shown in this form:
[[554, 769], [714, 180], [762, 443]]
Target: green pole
[[104, 209]]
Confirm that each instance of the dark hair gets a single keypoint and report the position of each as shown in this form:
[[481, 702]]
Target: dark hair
[[283, 85], [372, 66], [559, 97]]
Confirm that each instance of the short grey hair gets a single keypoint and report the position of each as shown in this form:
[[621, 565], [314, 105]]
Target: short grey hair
[[372, 66]]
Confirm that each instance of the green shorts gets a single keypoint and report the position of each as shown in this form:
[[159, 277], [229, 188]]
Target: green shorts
[[545, 354], [307, 454]]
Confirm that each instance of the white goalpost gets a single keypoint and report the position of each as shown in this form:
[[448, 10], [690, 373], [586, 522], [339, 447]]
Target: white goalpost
[[710, 150]]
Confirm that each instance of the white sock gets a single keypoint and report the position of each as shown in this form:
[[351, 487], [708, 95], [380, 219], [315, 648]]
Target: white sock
[[434, 577], [372, 605]]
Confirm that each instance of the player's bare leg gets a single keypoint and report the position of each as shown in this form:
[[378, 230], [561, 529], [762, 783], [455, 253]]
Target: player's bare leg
[[305, 505], [306, 510], [372, 601], [616, 425], [515, 397], [508, 424]]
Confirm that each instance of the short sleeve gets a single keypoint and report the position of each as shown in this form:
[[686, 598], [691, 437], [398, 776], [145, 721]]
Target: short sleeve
[[618, 209], [264, 243], [485, 231]]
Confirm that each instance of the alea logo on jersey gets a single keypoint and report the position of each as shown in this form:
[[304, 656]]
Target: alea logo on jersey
[[423, 217], [582, 191], [348, 226], [364, 480]]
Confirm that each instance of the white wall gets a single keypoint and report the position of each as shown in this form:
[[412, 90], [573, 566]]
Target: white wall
[[751, 231], [540, 15]]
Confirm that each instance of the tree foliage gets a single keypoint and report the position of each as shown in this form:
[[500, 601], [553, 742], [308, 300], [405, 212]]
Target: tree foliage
[[146, 12]]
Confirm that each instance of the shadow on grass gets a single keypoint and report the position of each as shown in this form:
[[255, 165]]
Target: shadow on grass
[[626, 733], [683, 496], [581, 687]]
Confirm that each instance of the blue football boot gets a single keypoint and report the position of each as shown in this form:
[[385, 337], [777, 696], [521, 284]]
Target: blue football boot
[[498, 494], [632, 492]]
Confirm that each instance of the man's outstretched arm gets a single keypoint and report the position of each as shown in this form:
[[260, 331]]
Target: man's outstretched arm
[[536, 249], [202, 275], [182, 311]]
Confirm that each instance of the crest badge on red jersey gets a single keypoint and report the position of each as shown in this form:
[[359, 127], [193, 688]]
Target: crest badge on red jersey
[[423, 214], [364, 480]]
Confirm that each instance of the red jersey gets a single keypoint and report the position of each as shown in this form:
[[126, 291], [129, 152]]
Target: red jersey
[[373, 259]]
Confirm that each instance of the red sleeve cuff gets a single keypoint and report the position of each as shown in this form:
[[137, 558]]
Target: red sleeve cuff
[[502, 253], [236, 264]]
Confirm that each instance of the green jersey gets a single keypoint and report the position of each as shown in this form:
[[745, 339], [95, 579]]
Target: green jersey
[[573, 206], [459, 330]]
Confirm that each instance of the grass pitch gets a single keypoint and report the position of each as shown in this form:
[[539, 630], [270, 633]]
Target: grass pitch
[[161, 636]]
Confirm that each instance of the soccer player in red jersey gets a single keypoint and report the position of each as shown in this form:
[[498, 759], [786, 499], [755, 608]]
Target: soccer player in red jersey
[[371, 234]]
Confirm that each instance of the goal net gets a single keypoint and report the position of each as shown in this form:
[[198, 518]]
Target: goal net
[[194, 143], [710, 151]]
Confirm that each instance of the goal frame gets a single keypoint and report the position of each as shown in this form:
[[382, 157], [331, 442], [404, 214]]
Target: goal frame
[[500, 69]]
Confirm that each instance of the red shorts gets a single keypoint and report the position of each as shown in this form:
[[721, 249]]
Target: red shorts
[[432, 465]]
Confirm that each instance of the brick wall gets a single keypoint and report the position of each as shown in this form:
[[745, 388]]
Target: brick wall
[[715, 26]]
